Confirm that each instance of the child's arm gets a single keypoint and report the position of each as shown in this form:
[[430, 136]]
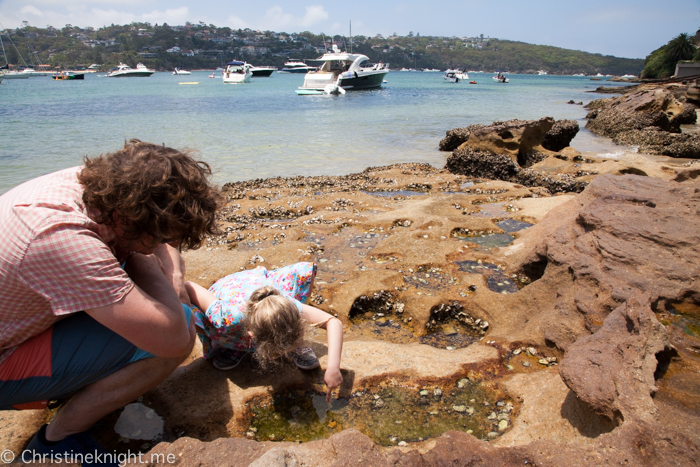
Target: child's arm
[[334, 330], [199, 295]]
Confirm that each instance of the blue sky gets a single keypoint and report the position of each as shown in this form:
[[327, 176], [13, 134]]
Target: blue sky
[[623, 28]]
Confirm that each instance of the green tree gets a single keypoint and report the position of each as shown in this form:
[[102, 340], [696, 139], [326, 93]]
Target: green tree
[[682, 47]]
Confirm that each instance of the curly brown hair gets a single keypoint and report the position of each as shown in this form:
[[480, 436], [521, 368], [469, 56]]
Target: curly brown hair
[[154, 190], [275, 323]]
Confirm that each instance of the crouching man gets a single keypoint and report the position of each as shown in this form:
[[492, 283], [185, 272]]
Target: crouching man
[[92, 301]]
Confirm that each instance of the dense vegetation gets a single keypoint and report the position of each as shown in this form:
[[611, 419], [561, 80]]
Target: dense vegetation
[[661, 63], [207, 46]]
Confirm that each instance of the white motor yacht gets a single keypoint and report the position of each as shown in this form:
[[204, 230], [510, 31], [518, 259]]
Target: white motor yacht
[[181, 72], [125, 71], [296, 67], [452, 76], [344, 70], [237, 72]]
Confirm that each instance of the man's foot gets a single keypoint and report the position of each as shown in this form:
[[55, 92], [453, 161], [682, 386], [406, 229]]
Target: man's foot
[[227, 359], [305, 359], [77, 448]]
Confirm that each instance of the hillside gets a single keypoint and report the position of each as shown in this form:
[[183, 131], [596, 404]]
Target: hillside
[[207, 46]]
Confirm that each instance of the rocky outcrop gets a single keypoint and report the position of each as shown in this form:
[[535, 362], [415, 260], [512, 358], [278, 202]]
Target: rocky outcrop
[[633, 118], [654, 141], [455, 137], [560, 135], [515, 138], [613, 370], [625, 234], [504, 150]]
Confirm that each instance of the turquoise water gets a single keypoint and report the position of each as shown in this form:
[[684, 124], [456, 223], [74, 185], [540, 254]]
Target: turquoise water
[[264, 129]]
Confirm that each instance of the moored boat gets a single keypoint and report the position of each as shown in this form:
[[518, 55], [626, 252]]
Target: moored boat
[[296, 66], [12, 74], [262, 71], [237, 72], [346, 71], [181, 72], [451, 76], [68, 75], [125, 71]]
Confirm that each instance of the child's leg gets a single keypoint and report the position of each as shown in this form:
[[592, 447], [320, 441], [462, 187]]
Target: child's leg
[[199, 295]]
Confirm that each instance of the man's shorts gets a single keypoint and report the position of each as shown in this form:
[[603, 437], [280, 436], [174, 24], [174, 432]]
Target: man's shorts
[[72, 354]]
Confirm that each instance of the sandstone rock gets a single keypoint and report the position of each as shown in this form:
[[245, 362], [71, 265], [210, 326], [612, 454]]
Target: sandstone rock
[[654, 141], [623, 234], [515, 138], [560, 135], [649, 118], [457, 136], [613, 369]]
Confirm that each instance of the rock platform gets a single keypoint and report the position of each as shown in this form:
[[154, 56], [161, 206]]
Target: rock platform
[[588, 319]]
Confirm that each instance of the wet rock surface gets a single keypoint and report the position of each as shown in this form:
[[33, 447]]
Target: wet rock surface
[[648, 116]]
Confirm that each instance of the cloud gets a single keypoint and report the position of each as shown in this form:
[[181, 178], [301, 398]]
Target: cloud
[[32, 11], [276, 19], [235, 22], [170, 16]]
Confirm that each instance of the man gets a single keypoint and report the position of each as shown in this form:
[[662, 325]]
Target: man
[[91, 285]]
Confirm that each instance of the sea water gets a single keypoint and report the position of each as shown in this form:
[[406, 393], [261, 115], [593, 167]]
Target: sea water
[[263, 128]]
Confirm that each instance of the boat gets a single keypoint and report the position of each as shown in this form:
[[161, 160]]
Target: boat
[[181, 72], [500, 77], [541, 72], [452, 76], [472, 82], [68, 75], [213, 75], [345, 70], [262, 71], [296, 67], [432, 70], [12, 74], [125, 71], [237, 72]]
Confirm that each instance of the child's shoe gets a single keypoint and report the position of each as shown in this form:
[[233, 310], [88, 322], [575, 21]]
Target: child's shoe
[[80, 447], [227, 359], [305, 359]]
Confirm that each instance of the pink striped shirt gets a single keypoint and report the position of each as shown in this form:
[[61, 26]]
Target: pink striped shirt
[[54, 259]]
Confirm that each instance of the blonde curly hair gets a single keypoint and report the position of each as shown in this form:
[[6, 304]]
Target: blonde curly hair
[[275, 323]]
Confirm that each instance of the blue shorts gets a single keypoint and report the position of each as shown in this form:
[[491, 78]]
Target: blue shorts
[[72, 354]]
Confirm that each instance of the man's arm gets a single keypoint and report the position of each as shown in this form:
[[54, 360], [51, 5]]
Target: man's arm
[[150, 315]]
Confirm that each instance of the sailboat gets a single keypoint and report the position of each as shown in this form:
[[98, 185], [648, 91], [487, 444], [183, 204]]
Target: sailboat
[[6, 72]]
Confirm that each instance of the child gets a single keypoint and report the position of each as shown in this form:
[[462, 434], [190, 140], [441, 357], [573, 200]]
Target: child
[[261, 311]]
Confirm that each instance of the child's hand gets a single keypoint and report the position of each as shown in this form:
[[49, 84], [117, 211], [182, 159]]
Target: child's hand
[[333, 380]]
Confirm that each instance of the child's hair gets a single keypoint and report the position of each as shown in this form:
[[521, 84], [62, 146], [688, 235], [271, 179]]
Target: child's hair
[[275, 323]]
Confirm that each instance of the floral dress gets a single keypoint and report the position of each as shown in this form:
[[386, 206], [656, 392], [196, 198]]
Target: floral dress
[[222, 322]]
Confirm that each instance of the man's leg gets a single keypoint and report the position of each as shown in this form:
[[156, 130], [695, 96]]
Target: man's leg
[[102, 397]]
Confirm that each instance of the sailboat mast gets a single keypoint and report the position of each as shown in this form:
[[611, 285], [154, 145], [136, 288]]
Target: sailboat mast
[[350, 36]]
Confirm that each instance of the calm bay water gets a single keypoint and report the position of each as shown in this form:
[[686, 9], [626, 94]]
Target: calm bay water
[[264, 129]]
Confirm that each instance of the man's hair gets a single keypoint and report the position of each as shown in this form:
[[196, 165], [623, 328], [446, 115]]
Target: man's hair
[[153, 190], [276, 324]]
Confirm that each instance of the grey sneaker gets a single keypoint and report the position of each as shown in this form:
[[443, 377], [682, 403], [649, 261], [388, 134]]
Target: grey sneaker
[[305, 359], [228, 359]]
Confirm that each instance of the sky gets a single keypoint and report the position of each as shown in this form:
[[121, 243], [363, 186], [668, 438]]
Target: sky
[[622, 28]]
